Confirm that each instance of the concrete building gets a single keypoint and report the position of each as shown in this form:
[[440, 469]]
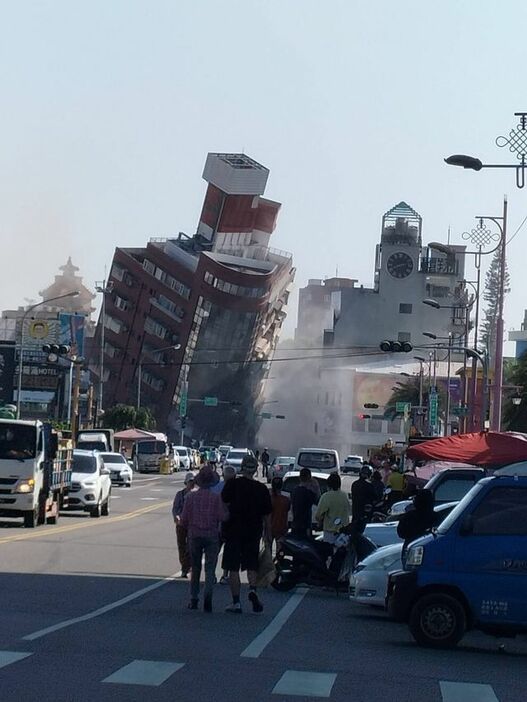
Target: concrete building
[[319, 394], [519, 336], [219, 296]]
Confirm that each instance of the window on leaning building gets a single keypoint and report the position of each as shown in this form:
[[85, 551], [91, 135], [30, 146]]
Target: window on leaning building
[[405, 308], [117, 271], [121, 303], [113, 324], [155, 328]]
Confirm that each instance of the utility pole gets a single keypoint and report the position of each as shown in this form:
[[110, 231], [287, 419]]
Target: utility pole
[[75, 402], [498, 360]]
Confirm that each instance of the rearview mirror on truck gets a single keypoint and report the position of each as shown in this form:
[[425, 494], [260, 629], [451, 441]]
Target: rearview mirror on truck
[[467, 526]]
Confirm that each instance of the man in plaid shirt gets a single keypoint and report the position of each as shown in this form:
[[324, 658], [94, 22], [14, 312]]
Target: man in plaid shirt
[[203, 513]]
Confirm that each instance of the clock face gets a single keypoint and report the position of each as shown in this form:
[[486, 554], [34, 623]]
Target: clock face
[[400, 265]]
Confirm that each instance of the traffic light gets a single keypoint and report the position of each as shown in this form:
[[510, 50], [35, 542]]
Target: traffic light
[[371, 405], [54, 351], [364, 416], [395, 346]]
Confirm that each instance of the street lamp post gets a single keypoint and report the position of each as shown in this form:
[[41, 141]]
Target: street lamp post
[[30, 309]]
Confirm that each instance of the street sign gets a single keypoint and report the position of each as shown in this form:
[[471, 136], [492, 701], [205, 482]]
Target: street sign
[[432, 411], [210, 401], [266, 415], [183, 404], [403, 407]]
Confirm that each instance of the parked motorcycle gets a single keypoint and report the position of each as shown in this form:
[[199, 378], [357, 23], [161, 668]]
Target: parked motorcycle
[[313, 562]]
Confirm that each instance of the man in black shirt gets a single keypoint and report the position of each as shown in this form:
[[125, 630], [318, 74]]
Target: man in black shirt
[[303, 498], [363, 497], [249, 505]]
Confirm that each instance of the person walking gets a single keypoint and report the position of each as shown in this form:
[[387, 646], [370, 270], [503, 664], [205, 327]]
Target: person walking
[[333, 509], [265, 458], [181, 531], [363, 497], [378, 485], [249, 505], [280, 511], [303, 498], [203, 513], [229, 473]]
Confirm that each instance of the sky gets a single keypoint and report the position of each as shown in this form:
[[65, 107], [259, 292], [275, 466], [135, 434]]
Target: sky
[[109, 109]]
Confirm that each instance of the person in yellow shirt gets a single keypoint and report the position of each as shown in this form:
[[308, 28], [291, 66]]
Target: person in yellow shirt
[[333, 506], [396, 483]]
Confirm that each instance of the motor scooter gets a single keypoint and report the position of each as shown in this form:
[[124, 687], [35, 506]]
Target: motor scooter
[[313, 562]]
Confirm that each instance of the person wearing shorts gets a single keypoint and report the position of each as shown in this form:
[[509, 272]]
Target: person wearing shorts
[[249, 505]]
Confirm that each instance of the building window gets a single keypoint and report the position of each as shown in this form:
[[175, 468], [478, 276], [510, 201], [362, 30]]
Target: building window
[[110, 350], [121, 303], [160, 274], [405, 308], [117, 272], [155, 328], [149, 266], [113, 324], [175, 310], [404, 336]]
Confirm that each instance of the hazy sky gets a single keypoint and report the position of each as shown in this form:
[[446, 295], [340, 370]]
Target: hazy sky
[[109, 109]]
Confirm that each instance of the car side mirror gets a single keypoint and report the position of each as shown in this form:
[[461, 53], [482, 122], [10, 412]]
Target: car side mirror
[[105, 471], [467, 526], [291, 465]]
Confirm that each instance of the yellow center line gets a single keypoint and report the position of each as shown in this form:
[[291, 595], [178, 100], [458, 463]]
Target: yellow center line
[[74, 527]]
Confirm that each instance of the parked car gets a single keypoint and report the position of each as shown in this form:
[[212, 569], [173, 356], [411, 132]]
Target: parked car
[[182, 457], [224, 450], [352, 464], [90, 484], [449, 485], [120, 471], [280, 466], [386, 533], [318, 459], [235, 457], [470, 574], [369, 580]]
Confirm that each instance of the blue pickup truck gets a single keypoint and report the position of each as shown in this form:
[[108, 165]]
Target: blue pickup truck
[[470, 573]]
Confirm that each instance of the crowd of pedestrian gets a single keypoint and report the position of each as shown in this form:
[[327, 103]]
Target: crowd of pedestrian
[[235, 512]]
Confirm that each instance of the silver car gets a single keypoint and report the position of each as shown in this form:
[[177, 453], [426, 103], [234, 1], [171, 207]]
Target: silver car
[[369, 580]]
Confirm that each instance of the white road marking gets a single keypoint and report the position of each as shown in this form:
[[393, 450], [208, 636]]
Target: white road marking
[[144, 673], [8, 657], [466, 692], [305, 684], [156, 489], [255, 648], [149, 498], [98, 612]]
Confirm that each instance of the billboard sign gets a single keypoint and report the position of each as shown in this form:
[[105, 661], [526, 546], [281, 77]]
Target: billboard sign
[[71, 332]]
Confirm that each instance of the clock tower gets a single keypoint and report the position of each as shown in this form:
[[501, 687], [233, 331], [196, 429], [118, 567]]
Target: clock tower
[[399, 251]]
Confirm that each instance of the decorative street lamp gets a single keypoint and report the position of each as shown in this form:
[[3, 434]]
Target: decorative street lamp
[[516, 142], [73, 293], [516, 399]]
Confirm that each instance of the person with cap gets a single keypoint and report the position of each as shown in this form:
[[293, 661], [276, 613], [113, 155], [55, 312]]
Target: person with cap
[[203, 513], [249, 505], [181, 531], [363, 497]]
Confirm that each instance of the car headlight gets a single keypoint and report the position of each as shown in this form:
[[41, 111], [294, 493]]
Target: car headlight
[[415, 556], [25, 486]]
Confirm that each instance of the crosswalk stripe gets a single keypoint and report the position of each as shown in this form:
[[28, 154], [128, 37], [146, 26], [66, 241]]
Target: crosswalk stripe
[[140, 672], [8, 657], [466, 692], [304, 683]]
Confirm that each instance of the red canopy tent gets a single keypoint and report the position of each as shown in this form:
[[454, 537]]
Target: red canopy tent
[[490, 449]]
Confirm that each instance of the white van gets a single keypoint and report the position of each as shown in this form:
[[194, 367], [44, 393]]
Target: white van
[[320, 460]]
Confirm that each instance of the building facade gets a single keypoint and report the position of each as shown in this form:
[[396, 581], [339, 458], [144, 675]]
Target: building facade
[[519, 336], [215, 302]]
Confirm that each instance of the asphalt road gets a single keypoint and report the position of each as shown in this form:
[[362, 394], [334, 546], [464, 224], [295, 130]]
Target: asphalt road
[[90, 612]]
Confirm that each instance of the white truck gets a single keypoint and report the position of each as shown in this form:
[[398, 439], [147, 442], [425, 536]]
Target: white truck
[[148, 454], [35, 471]]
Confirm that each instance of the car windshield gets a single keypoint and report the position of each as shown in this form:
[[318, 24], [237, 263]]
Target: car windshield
[[93, 445], [113, 458], [354, 458], [151, 447], [284, 460], [454, 514], [84, 464], [17, 441], [236, 454], [291, 483], [181, 452], [316, 460]]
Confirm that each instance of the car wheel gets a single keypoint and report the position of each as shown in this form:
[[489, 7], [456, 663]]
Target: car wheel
[[31, 519], [105, 509], [95, 512], [438, 620]]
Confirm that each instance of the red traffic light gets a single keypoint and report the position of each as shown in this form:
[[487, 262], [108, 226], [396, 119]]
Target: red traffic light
[[364, 416]]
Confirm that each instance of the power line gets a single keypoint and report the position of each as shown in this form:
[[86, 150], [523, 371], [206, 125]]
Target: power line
[[517, 230]]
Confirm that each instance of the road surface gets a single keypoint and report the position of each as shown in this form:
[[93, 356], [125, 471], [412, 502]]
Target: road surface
[[91, 611]]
